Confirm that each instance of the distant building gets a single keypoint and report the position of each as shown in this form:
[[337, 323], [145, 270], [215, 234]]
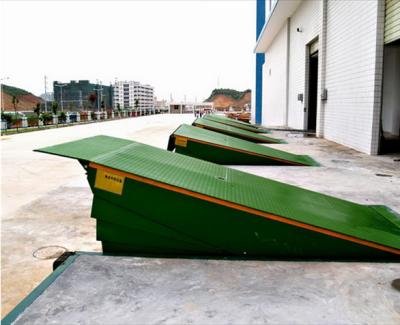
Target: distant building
[[190, 107], [82, 95], [134, 95], [161, 106]]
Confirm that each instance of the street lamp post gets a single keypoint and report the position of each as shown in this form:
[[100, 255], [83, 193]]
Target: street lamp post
[[99, 89], [45, 94], [61, 95]]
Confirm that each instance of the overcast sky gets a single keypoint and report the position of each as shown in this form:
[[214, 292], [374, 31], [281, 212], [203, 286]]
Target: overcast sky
[[180, 47]]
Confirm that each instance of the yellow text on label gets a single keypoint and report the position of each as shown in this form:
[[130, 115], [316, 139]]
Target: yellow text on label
[[181, 142], [109, 182]]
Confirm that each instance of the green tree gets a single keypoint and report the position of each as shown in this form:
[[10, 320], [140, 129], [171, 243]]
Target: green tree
[[45, 118], [54, 107], [6, 117], [63, 117], [36, 110], [15, 102], [136, 104]]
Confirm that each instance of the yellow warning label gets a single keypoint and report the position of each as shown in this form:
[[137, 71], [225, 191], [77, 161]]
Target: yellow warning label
[[181, 142], [109, 182]]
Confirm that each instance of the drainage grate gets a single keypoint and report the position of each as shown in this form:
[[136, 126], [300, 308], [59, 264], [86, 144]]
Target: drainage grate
[[49, 252]]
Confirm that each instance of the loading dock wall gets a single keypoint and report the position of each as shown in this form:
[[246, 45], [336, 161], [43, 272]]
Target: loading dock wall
[[354, 49], [275, 81], [350, 67], [308, 18]]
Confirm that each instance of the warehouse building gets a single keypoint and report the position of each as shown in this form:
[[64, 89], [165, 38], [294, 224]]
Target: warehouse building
[[133, 94], [332, 67]]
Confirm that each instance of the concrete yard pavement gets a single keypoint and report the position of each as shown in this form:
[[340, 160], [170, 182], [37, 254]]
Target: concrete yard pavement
[[137, 290], [46, 200]]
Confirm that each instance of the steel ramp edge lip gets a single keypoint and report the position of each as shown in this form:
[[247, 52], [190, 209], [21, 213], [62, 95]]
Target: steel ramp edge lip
[[289, 162], [235, 123], [254, 125], [245, 209], [250, 129], [255, 138]]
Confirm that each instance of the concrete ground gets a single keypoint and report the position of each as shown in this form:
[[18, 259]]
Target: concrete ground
[[46, 200], [189, 291]]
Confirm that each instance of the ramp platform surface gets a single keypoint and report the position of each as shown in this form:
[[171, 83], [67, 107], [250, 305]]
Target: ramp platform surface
[[149, 200], [232, 122], [97, 289], [234, 131], [224, 149]]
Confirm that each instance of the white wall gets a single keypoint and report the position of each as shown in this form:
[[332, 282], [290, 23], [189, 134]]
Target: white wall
[[353, 73], [391, 90], [274, 81], [308, 18]]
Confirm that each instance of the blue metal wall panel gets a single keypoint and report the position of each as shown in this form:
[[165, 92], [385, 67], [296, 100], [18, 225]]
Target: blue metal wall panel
[[260, 58]]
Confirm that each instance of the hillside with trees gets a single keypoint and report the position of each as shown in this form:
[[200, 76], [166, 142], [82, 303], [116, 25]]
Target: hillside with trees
[[225, 98], [23, 100]]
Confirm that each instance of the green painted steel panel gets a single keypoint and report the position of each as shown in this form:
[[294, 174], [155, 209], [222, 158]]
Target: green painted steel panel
[[138, 228], [234, 131], [225, 228], [235, 123], [223, 117], [224, 149], [223, 231], [89, 148]]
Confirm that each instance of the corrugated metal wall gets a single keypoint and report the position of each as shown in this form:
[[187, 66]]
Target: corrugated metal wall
[[392, 21]]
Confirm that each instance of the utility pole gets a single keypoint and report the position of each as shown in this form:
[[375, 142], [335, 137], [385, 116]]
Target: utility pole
[[101, 94], [1, 90], [61, 97], [80, 100], [45, 93]]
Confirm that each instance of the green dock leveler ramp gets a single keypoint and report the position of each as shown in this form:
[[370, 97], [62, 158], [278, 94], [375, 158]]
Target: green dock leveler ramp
[[152, 201], [224, 149], [238, 124], [234, 131]]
